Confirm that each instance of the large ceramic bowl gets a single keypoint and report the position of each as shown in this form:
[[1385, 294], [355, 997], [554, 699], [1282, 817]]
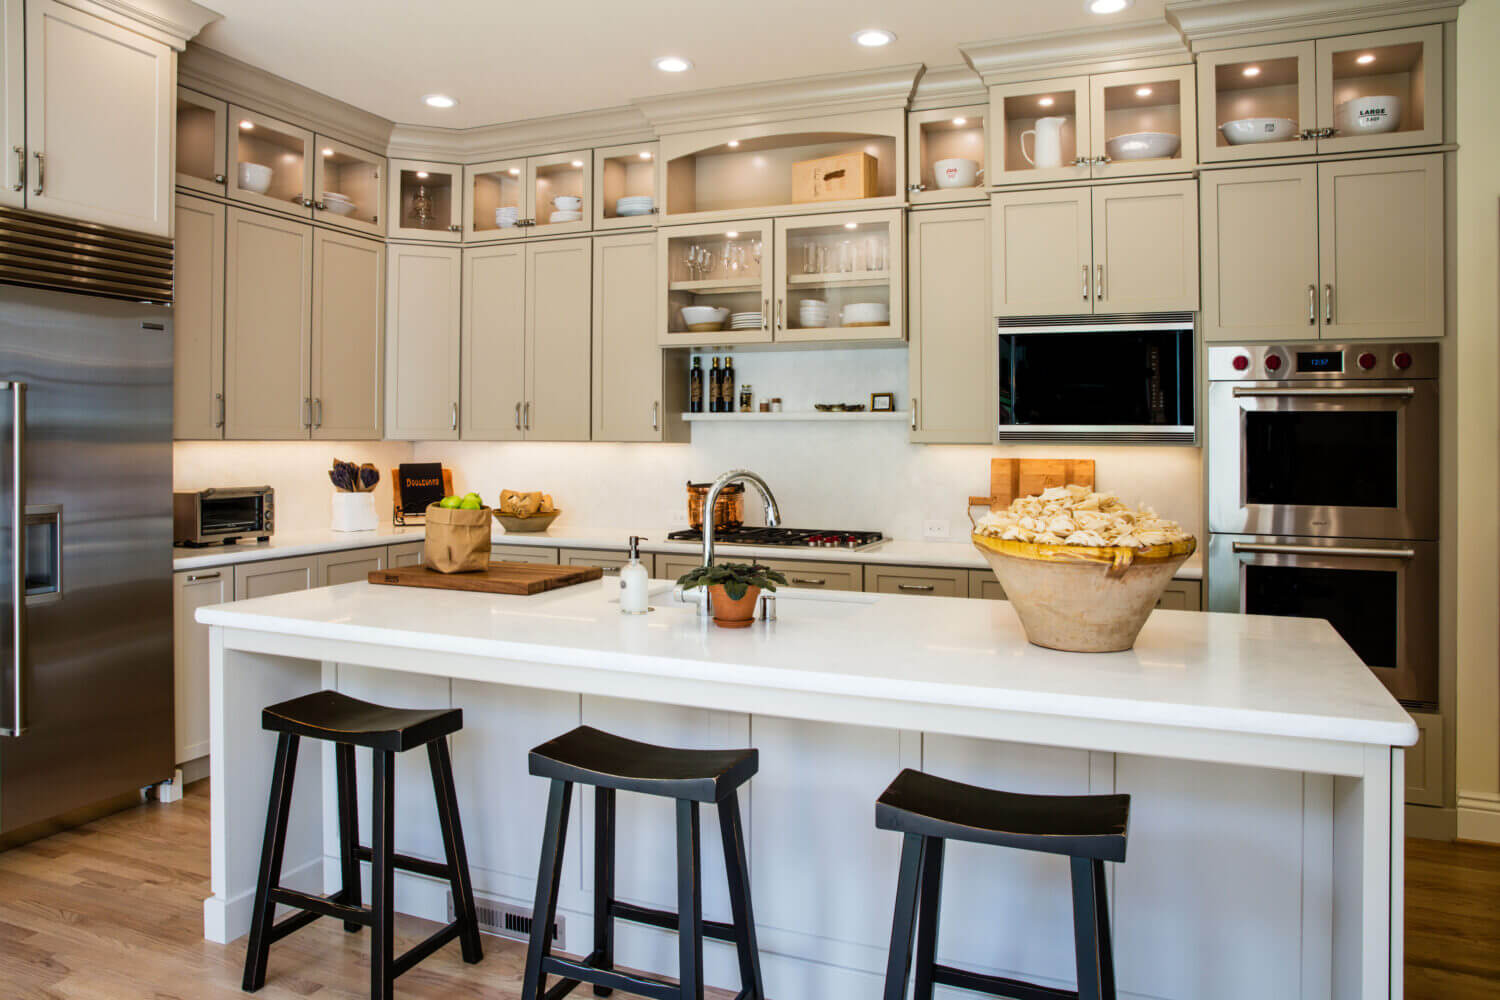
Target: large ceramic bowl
[[1143, 146], [527, 522], [255, 177], [1244, 131], [1368, 115], [704, 318], [957, 172], [1079, 598]]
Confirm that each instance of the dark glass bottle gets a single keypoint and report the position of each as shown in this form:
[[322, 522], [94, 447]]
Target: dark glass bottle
[[695, 387], [726, 387], [714, 385]]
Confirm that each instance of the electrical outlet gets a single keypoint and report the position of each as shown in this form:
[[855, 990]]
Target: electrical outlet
[[935, 529], [679, 518]]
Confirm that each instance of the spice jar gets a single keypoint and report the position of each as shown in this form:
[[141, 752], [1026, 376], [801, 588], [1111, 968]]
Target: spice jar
[[746, 398], [765, 406], [775, 404]]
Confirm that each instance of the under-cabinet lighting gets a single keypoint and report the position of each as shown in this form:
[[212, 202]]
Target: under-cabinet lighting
[[1366, 59], [873, 38], [247, 125], [421, 175], [645, 154], [1045, 102], [1106, 6], [1143, 92], [439, 101], [673, 64], [960, 121], [733, 143], [851, 225], [1252, 71]]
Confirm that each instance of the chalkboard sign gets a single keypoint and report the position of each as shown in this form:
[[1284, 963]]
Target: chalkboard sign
[[421, 484]]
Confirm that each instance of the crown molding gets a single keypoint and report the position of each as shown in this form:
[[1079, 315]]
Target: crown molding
[[1106, 49], [229, 79], [173, 22], [555, 133], [804, 97], [949, 87], [1214, 24]]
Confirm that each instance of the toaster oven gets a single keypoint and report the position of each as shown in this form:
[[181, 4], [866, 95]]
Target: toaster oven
[[223, 516]]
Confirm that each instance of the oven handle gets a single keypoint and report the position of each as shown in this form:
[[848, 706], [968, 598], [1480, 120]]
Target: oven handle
[[1402, 392], [1271, 548]]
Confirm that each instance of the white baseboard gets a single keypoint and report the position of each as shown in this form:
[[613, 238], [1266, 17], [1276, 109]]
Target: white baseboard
[[225, 920], [1479, 818]]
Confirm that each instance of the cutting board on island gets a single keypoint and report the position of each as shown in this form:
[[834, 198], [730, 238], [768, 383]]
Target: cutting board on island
[[501, 578], [1023, 477]]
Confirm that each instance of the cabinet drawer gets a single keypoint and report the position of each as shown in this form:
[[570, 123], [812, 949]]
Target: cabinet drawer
[[274, 576], [610, 559], [919, 580], [405, 554], [1182, 595], [983, 585], [523, 554], [352, 566], [814, 575]]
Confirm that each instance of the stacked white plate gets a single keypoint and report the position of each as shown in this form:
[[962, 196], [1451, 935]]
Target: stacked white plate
[[506, 216], [866, 314], [565, 216], [642, 204], [745, 321], [337, 203], [812, 312]]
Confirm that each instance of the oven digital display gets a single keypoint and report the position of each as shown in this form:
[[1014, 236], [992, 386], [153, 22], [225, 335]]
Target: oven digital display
[[1320, 361]]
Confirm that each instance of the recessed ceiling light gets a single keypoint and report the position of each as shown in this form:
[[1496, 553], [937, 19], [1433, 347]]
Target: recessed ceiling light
[[1143, 92], [672, 64], [960, 121], [1252, 71], [645, 154], [1106, 6], [873, 38], [439, 101], [851, 225], [1045, 102], [733, 143], [515, 171], [421, 175], [327, 152], [247, 124], [1366, 59]]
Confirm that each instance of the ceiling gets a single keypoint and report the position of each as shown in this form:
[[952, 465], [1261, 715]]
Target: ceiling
[[516, 59]]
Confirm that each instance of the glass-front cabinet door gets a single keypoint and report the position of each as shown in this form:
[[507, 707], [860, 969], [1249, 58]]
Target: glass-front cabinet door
[[425, 201], [717, 279], [1256, 102], [202, 143], [272, 163], [1040, 131], [495, 206], [946, 152], [839, 277], [349, 187], [1381, 90], [1143, 122], [627, 186], [560, 188]]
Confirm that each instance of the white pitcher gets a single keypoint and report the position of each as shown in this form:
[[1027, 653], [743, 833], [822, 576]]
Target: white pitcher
[[1046, 140]]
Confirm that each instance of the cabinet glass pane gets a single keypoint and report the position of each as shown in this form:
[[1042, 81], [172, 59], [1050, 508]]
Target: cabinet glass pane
[[1143, 121], [1256, 101], [351, 185], [197, 137], [499, 198], [629, 184], [952, 154], [1378, 89], [1041, 130], [426, 200], [715, 281], [559, 192], [269, 161], [838, 276]]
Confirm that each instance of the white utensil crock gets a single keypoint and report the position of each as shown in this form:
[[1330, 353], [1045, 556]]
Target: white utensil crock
[[354, 512]]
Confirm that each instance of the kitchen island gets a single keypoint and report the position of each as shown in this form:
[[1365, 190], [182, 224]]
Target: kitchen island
[[1263, 759]]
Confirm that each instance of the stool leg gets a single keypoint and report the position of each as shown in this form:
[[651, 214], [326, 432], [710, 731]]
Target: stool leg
[[604, 882], [1101, 929], [735, 863], [383, 878], [548, 878], [258, 952], [898, 961], [689, 904], [1088, 892], [348, 829], [927, 916], [453, 847]]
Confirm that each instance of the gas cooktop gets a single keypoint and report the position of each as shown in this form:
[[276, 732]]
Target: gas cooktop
[[798, 537]]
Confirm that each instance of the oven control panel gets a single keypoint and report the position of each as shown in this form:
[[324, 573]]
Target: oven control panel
[[1279, 362]]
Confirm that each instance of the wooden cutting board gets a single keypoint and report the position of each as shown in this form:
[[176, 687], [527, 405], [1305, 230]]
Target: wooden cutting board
[[500, 578], [1024, 477]]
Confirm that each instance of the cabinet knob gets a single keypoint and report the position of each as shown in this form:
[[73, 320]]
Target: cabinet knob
[[916, 187], [455, 229], [220, 178]]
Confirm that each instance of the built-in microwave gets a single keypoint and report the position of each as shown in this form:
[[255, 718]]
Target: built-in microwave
[[1098, 379]]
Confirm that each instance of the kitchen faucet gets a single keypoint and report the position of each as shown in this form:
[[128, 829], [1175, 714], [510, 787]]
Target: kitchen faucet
[[773, 518]]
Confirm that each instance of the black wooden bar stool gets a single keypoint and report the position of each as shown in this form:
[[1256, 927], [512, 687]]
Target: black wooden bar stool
[[612, 763], [350, 723], [1089, 829]]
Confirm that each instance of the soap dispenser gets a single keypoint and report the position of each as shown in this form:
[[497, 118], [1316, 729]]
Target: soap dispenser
[[634, 582]]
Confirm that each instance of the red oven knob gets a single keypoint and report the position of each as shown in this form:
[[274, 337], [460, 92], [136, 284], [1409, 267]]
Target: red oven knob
[[1273, 362], [1366, 361], [1402, 360], [1241, 362]]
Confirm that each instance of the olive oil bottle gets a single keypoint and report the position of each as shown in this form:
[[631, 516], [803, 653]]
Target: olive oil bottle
[[695, 386], [714, 384]]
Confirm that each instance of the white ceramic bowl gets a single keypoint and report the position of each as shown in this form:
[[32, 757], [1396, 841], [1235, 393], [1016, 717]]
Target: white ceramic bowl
[[958, 172], [566, 216], [567, 203], [338, 206], [694, 315], [866, 312], [1368, 115], [255, 177], [1244, 131], [1142, 146]]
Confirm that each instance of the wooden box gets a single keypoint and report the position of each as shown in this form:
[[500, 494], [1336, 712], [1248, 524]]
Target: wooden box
[[834, 178]]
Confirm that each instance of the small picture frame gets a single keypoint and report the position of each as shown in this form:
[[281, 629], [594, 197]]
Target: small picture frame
[[882, 402]]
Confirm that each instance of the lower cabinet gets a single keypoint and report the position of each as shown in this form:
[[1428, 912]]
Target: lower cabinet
[[408, 554], [611, 559], [1424, 762], [984, 586], [275, 576], [923, 581], [349, 567], [192, 590], [524, 554], [805, 574], [1182, 595]]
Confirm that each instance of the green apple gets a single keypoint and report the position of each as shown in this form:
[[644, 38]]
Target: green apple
[[449, 503], [470, 503]]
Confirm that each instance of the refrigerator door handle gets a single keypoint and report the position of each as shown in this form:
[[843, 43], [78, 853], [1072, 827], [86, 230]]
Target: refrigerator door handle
[[16, 724]]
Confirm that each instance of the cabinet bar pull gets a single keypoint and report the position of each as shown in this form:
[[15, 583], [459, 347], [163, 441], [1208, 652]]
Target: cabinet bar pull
[[1328, 304], [518, 416], [1085, 282], [914, 413], [1312, 305], [41, 173], [195, 577], [765, 313], [318, 406], [526, 415], [915, 586], [454, 413], [780, 312], [219, 398], [809, 581], [20, 184], [306, 413], [1099, 282], [656, 416]]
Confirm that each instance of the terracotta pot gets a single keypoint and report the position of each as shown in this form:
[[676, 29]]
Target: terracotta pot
[[730, 613]]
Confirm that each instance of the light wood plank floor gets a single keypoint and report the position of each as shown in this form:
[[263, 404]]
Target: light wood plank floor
[[113, 911]]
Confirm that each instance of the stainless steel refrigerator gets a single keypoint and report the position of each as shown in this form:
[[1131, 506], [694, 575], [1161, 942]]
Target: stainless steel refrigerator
[[85, 529]]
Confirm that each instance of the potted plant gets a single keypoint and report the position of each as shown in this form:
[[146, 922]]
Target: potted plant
[[733, 589]]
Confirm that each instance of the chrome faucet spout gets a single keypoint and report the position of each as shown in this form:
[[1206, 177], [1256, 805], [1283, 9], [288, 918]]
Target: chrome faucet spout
[[773, 515]]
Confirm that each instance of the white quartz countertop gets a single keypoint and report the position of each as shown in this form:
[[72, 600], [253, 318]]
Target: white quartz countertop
[[957, 553], [1285, 677]]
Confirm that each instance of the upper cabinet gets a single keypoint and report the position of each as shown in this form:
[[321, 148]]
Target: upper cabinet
[[271, 163], [202, 142], [627, 186], [1093, 127], [946, 151], [198, 320], [12, 103], [1349, 93], [716, 282], [535, 196], [422, 337], [88, 79], [640, 391], [952, 387], [349, 187], [426, 201]]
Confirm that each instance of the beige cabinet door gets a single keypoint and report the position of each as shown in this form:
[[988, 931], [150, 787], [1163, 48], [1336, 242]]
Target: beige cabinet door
[[488, 190], [405, 554], [353, 566], [917, 581], [848, 261], [1381, 234], [631, 399], [198, 320], [1058, 107], [270, 163], [191, 590], [1146, 247], [814, 575], [716, 266], [348, 325], [1267, 82], [1042, 247], [943, 136], [1424, 761], [98, 120], [560, 175], [1182, 595], [12, 103], [425, 201], [559, 332], [611, 560], [422, 343], [1127, 108], [524, 554], [267, 327], [1406, 64], [494, 343], [1260, 253], [952, 376], [984, 586], [631, 171], [274, 576], [202, 143], [349, 187]]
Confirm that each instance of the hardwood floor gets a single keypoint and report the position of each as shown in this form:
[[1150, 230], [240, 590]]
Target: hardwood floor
[[113, 911]]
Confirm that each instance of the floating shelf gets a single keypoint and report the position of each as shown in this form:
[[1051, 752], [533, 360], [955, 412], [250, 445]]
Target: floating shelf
[[717, 285], [808, 416], [839, 279]]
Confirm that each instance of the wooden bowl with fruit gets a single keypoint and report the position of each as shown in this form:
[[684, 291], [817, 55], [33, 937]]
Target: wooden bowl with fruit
[[525, 511]]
